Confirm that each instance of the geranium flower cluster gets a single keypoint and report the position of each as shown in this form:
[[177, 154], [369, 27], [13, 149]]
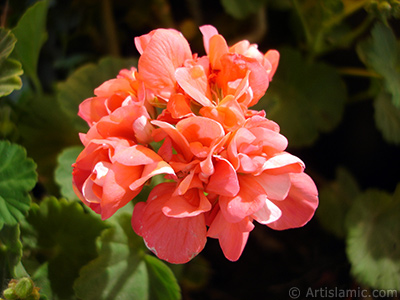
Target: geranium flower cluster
[[188, 118]]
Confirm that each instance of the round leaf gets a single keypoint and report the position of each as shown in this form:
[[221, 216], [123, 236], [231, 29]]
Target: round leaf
[[10, 69], [10, 72], [81, 84], [162, 281], [12, 246], [336, 199], [63, 173], [123, 270], [241, 9], [387, 118], [17, 178], [7, 43], [31, 34], [373, 245], [66, 240], [304, 98], [381, 52]]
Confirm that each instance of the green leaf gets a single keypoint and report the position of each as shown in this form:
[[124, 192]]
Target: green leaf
[[162, 280], [41, 279], [45, 131], [7, 43], [336, 199], [65, 239], [123, 270], [81, 84], [17, 178], [31, 35], [10, 69], [241, 9], [387, 118], [381, 52], [304, 99], [63, 173], [373, 245], [10, 253]]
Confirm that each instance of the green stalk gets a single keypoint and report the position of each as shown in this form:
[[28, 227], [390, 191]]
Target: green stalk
[[110, 28], [348, 10], [359, 72], [306, 29]]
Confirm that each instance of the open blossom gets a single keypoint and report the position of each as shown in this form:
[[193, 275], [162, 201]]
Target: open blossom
[[109, 173], [225, 165]]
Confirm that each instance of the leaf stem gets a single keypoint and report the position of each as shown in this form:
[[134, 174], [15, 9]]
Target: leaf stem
[[110, 28], [359, 72], [306, 29], [350, 8], [4, 15]]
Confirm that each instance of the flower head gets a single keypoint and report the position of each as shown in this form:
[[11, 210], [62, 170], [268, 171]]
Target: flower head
[[224, 165]]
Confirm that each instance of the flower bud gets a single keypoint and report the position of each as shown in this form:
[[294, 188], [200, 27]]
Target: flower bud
[[9, 294], [24, 287], [34, 295]]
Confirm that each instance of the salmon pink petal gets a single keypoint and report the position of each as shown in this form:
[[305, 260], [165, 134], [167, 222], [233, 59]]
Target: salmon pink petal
[[193, 203], [92, 109], [122, 123], [143, 129], [228, 113], [224, 181], [189, 182], [113, 86], [93, 205], [193, 80], [232, 236], [217, 49], [116, 193], [179, 141], [242, 136], [261, 121], [179, 106], [250, 164], [242, 88], [300, 204], [200, 129], [269, 138], [235, 66], [283, 163], [208, 31], [136, 155], [207, 165], [273, 57], [268, 213], [176, 240], [142, 41], [90, 190], [250, 199], [102, 184], [240, 47], [151, 170], [166, 51], [276, 186]]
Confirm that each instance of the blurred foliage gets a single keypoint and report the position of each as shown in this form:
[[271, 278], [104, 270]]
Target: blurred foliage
[[123, 268], [336, 96]]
